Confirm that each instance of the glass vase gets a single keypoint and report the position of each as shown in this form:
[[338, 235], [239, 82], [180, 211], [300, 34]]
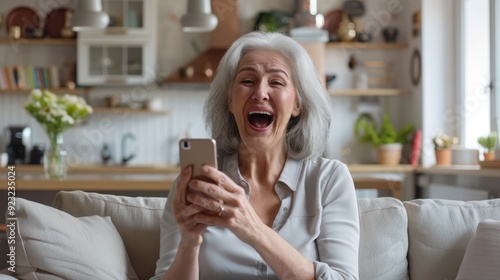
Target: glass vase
[[54, 160]]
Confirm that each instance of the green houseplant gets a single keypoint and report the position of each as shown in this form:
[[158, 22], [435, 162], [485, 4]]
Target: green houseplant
[[488, 142], [388, 141]]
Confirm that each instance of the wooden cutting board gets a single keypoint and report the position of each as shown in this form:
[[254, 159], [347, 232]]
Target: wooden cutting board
[[490, 164]]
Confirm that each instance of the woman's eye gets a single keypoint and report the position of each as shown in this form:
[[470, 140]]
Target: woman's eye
[[277, 83], [246, 81]]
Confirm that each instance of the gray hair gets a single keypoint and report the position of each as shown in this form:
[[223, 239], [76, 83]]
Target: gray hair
[[307, 133]]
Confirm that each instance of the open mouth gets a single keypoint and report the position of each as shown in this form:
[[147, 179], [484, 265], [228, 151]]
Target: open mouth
[[260, 119]]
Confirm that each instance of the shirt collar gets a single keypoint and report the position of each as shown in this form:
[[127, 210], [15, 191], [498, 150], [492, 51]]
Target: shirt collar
[[289, 175]]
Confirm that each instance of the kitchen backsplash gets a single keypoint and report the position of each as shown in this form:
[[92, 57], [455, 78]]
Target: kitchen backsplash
[[156, 135]]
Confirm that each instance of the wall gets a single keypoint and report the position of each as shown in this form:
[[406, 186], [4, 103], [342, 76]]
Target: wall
[[157, 135]]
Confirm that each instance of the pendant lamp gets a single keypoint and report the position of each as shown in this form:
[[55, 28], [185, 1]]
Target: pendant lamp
[[89, 14], [199, 17]]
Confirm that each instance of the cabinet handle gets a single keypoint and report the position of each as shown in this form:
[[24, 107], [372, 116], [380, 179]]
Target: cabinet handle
[[116, 31], [115, 80]]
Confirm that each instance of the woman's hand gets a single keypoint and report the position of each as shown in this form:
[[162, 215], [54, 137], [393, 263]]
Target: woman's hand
[[185, 212], [221, 195]]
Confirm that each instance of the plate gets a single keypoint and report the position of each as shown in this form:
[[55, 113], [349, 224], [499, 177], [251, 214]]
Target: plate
[[55, 22], [332, 21], [24, 17]]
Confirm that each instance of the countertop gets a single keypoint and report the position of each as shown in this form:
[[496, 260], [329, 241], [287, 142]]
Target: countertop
[[142, 177]]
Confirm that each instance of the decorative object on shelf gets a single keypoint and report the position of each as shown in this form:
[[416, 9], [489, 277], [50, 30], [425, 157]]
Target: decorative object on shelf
[[390, 34], [388, 141], [15, 32], [415, 67], [26, 18], [89, 14], [56, 114], [488, 142], [347, 29], [67, 31], [58, 23], [442, 148], [417, 23], [273, 21], [1, 21], [332, 22], [199, 17]]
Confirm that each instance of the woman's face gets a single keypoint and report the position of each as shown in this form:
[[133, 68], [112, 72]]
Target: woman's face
[[263, 99]]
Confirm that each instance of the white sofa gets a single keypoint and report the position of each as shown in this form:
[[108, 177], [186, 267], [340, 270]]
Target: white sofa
[[421, 239]]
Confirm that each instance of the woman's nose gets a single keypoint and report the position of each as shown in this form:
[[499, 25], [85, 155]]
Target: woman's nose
[[261, 92]]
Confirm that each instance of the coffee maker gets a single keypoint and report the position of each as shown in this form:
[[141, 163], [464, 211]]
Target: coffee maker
[[19, 140]]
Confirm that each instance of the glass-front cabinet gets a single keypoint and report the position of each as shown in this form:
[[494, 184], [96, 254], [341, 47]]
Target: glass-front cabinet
[[124, 53]]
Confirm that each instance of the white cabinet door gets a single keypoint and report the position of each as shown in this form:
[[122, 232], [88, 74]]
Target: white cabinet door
[[122, 61]]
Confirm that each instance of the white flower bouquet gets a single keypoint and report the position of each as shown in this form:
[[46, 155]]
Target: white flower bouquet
[[54, 113]]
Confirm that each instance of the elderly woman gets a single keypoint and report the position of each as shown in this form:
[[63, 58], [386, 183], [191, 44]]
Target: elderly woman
[[275, 209]]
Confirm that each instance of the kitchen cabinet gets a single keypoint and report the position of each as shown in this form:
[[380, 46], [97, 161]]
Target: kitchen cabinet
[[123, 53]]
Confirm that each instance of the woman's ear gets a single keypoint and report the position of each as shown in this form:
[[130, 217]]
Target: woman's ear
[[296, 110]]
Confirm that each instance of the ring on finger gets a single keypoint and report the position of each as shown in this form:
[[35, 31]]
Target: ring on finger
[[220, 210]]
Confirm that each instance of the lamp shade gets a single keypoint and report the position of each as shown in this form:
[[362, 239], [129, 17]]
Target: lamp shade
[[89, 14], [199, 17]]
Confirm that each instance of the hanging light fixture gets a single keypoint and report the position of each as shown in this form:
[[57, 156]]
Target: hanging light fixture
[[89, 14], [199, 17]]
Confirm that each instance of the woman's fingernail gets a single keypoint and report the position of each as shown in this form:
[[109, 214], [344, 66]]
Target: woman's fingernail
[[205, 169]]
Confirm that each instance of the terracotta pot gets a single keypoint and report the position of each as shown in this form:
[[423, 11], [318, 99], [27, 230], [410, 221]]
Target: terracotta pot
[[489, 156], [443, 156], [389, 154]]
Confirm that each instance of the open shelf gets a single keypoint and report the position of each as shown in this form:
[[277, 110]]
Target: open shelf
[[367, 46], [369, 92], [53, 90], [42, 41], [126, 110]]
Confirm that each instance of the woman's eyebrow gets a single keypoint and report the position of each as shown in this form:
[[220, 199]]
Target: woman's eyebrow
[[272, 70]]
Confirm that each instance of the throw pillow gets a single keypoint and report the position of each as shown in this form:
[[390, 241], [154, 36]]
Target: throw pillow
[[51, 244], [137, 220], [482, 256]]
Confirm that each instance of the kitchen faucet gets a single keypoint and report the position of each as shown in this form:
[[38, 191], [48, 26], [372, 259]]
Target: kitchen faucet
[[125, 137]]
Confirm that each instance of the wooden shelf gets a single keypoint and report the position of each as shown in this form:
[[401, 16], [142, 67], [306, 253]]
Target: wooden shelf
[[367, 46], [43, 41], [369, 92], [53, 90], [125, 110]]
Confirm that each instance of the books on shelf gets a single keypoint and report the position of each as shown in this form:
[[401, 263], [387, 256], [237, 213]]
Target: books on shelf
[[23, 77]]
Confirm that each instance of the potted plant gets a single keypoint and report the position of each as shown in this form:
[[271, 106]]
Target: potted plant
[[489, 143], [388, 141], [442, 148]]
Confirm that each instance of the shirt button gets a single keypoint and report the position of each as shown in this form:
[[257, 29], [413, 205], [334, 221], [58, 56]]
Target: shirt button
[[285, 209], [263, 268]]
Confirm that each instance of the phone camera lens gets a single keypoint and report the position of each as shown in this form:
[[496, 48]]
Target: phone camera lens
[[185, 144]]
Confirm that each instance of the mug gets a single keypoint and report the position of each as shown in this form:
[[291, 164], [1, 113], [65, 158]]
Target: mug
[[4, 158]]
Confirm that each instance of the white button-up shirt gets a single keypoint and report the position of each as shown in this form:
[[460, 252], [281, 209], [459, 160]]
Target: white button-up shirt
[[318, 217]]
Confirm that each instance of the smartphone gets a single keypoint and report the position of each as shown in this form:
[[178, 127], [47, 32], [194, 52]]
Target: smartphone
[[197, 152]]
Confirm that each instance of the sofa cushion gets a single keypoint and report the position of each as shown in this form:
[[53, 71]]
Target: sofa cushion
[[383, 239], [482, 257], [137, 219], [51, 244], [439, 231]]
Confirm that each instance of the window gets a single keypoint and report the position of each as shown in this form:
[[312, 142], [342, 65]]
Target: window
[[479, 69]]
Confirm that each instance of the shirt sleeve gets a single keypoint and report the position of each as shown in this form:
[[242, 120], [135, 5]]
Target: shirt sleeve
[[338, 242], [169, 237]]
